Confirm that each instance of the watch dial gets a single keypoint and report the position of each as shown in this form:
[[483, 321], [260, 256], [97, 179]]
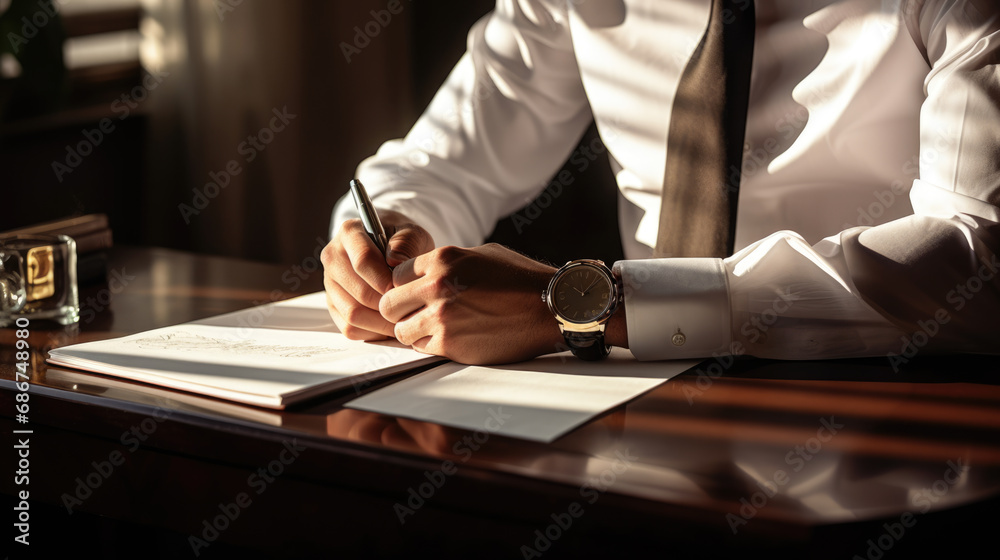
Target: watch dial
[[582, 294]]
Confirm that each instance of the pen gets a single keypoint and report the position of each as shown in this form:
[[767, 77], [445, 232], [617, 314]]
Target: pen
[[369, 217]]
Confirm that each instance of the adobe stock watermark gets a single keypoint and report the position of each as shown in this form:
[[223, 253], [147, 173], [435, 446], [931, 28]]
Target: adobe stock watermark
[[682, 55], [259, 481], [796, 459], [959, 297], [249, 149], [527, 215], [946, 138], [902, 10], [884, 200], [417, 496], [590, 492], [482, 90], [754, 329], [894, 531], [365, 33], [118, 280], [94, 137], [90, 308], [102, 470], [31, 26], [292, 279], [757, 156], [376, 363], [223, 7], [581, 159]]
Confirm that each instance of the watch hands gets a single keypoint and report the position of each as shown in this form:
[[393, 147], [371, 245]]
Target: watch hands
[[592, 284]]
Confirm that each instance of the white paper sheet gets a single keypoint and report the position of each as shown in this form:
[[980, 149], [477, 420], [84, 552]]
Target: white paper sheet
[[537, 400]]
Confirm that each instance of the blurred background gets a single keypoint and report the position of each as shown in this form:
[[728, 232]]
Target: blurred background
[[231, 127]]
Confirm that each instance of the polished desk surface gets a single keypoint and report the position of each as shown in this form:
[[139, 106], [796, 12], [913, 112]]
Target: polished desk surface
[[807, 458]]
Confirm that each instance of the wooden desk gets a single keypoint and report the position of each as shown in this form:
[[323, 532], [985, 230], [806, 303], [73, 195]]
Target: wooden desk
[[802, 459]]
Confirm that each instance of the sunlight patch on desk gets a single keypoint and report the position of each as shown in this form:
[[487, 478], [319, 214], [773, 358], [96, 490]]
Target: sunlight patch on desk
[[541, 400]]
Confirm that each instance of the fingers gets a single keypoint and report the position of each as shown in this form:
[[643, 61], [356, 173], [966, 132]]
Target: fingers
[[356, 275], [414, 311], [413, 329], [440, 260], [404, 273], [422, 297], [407, 241], [351, 299], [367, 262], [400, 302], [474, 306], [425, 329], [432, 345], [355, 321]]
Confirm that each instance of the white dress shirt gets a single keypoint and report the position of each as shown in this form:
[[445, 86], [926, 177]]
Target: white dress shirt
[[868, 211]]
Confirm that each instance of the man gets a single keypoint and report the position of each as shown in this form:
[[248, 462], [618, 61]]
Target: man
[[868, 211]]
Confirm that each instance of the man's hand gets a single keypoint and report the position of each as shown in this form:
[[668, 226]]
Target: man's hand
[[356, 275], [474, 306]]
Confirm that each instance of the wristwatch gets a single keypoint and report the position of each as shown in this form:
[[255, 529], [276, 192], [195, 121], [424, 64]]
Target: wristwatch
[[583, 295]]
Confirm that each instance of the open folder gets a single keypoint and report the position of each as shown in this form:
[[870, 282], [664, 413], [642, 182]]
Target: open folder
[[272, 356]]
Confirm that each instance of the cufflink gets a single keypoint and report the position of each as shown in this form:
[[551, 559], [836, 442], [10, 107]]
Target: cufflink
[[678, 339]]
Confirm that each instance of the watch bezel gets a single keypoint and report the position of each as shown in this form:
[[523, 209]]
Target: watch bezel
[[614, 297]]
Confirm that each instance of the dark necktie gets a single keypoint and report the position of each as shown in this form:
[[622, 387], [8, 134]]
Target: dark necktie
[[705, 139]]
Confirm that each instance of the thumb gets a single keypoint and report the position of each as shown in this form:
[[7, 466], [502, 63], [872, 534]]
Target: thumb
[[408, 241]]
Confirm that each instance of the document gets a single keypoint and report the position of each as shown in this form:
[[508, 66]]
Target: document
[[270, 356], [537, 400]]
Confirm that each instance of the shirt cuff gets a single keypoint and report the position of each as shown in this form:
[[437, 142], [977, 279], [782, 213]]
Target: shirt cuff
[[676, 308]]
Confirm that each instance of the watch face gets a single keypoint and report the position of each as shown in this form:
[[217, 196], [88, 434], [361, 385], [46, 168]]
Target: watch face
[[582, 294]]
